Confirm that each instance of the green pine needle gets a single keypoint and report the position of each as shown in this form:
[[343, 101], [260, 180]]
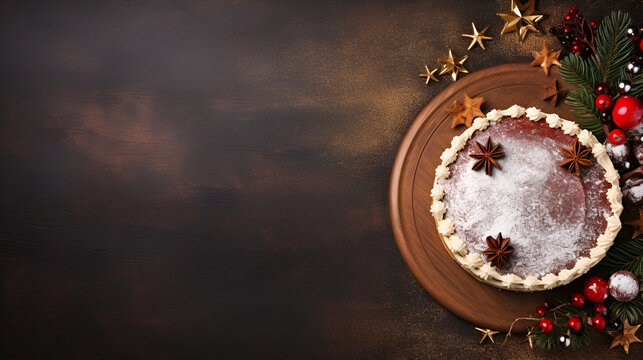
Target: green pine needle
[[631, 310], [547, 341], [578, 71], [626, 256], [582, 102], [613, 46], [580, 340], [613, 50], [637, 86]]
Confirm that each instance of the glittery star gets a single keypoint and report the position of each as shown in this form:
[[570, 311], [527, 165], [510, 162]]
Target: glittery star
[[626, 338], [453, 65], [429, 75], [488, 333], [546, 58], [477, 37], [521, 18], [551, 92]]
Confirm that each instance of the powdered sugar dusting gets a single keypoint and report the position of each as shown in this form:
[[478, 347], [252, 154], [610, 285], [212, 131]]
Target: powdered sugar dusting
[[625, 285], [544, 209], [635, 193]]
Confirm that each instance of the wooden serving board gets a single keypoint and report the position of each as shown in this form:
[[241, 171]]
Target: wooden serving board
[[412, 180]]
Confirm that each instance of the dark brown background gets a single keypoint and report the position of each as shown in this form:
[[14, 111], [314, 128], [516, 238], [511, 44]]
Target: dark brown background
[[185, 179]]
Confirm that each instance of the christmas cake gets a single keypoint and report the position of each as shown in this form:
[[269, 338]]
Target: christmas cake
[[525, 200]]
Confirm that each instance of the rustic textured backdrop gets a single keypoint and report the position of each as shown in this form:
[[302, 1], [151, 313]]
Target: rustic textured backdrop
[[185, 179]]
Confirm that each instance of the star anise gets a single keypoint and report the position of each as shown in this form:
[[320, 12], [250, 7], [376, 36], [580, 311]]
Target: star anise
[[487, 156], [498, 251], [576, 157]]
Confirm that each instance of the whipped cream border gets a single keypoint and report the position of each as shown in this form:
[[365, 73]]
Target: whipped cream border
[[473, 262]]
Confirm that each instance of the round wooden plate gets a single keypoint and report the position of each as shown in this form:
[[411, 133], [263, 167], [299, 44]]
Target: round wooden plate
[[412, 180]]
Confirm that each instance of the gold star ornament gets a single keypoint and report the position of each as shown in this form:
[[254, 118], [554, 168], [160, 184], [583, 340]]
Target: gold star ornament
[[453, 65], [528, 337], [521, 18], [477, 37], [627, 337], [429, 75], [487, 333], [545, 58], [467, 111]]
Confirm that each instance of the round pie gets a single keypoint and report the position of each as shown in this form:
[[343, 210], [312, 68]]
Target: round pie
[[525, 200]]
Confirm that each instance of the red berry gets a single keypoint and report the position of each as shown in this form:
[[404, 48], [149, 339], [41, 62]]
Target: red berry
[[568, 29], [617, 137], [541, 310], [575, 48], [575, 324], [578, 300], [596, 289], [568, 17], [547, 326], [576, 40], [593, 24], [573, 9], [600, 309], [601, 88], [627, 112], [641, 44], [604, 102], [599, 323]]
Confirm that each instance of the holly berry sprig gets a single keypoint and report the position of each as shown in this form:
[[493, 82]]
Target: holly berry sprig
[[575, 34], [605, 64], [570, 322]]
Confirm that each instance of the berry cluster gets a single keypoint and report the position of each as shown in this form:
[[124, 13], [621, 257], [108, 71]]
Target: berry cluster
[[575, 34], [636, 34], [621, 115], [596, 290]]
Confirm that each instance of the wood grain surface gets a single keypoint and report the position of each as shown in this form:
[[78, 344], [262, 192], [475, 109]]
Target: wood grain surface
[[195, 179], [412, 179]]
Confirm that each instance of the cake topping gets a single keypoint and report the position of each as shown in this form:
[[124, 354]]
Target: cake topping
[[576, 157], [498, 251], [487, 156]]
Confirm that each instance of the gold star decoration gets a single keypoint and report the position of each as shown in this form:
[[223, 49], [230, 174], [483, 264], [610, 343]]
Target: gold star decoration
[[521, 18], [454, 112], [467, 111], [551, 92], [528, 338], [429, 75], [488, 333], [626, 338], [477, 37], [546, 58], [453, 65], [637, 225]]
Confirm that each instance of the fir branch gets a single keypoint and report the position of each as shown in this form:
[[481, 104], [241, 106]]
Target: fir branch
[[637, 85], [581, 339], [568, 311], [548, 341], [582, 102], [575, 70], [631, 310], [626, 256], [613, 45]]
